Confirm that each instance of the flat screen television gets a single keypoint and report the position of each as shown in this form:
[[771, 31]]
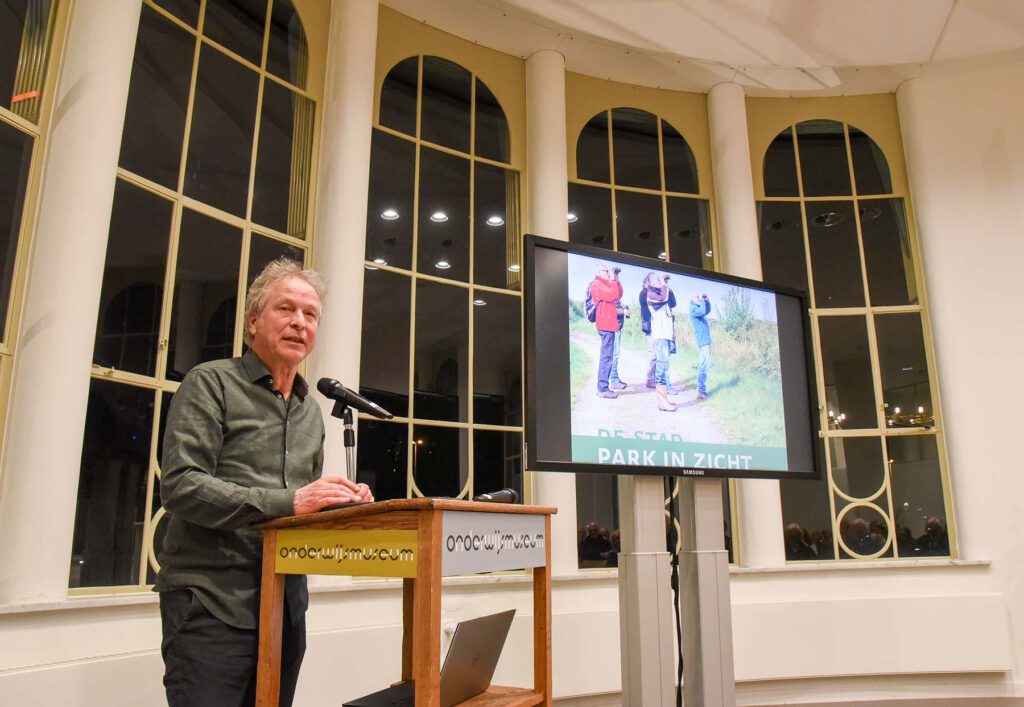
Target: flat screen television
[[749, 411]]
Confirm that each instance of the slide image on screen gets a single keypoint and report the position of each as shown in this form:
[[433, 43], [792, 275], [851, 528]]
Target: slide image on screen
[[691, 378]]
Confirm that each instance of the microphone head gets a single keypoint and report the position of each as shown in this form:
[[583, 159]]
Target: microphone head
[[328, 386]]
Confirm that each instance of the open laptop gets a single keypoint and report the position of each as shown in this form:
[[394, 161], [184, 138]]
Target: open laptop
[[468, 666]]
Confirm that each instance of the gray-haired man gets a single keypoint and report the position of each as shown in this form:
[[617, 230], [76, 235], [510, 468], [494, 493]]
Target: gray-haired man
[[243, 444]]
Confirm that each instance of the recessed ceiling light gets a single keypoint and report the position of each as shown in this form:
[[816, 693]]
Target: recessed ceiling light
[[662, 255], [380, 261], [389, 214], [439, 217], [514, 267], [371, 267], [709, 253], [573, 218], [479, 302], [442, 265], [495, 221]]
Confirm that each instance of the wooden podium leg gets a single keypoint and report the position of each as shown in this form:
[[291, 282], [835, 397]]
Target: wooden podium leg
[[426, 613], [408, 621], [268, 672], [542, 620]]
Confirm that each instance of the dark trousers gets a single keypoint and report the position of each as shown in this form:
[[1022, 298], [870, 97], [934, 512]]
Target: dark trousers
[[604, 365], [208, 663]]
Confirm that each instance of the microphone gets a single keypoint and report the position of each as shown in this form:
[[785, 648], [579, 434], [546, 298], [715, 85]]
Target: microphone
[[334, 390], [503, 496]]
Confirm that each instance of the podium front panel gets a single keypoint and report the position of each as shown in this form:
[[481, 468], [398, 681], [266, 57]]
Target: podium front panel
[[491, 542], [354, 553]]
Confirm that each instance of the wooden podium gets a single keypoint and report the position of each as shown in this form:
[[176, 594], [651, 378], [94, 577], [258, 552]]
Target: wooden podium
[[420, 540]]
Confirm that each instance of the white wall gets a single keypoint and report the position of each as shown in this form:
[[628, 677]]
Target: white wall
[[965, 158]]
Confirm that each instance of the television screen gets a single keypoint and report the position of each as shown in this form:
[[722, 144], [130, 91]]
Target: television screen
[[640, 366]]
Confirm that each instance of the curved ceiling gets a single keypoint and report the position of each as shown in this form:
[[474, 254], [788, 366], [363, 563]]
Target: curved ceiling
[[773, 47]]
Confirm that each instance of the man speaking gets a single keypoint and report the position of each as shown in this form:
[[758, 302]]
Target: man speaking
[[243, 444]]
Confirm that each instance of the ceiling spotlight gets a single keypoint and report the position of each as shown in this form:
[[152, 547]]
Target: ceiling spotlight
[[439, 217], [389, 214], [573, 218], [495, 221], [514, 267], [380, 261], [479, 302], [662, 255], [370, 267], [709, 253], [442, 265]]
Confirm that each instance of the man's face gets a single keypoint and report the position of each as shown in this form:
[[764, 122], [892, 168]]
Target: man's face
[[285, 331]]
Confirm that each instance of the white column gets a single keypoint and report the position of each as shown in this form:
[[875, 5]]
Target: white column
[[547, 203], [43, 443], [758, 505], [340, 237], [547, 176]]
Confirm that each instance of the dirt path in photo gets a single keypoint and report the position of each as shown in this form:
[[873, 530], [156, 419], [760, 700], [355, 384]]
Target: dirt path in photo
[[636, 408]]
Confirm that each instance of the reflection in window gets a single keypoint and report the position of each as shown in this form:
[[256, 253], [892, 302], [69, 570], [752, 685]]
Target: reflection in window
[[887, 256], [857, 252], [497, 360], [440, 461], [635, 148], [384, 363], [287, 51], [823, 163], [590, 215], [206, 275], [592, 150], [398, 96], [107, 544], [835, 254], [447, 97], [638, 220], [783, 261], [904, 367], [237, 25], [688, 230], [133, 281], [220, 143], [25, 37], [443, 242], [497, 461], [281, 191], [389, 215], [492, 137], [495, 226], [383, 458], [442, 352], [918, 497], [15, 160], [154, 122], [846, 369]]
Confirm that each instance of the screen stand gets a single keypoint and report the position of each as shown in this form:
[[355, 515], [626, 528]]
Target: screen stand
[[708, 676], [646, 618]]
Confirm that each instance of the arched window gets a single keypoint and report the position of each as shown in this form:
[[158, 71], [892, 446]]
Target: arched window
[[833, 223], [442, 323], [213, 181], [636, 191]]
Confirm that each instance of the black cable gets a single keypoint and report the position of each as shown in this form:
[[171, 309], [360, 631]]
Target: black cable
[[679, 624]]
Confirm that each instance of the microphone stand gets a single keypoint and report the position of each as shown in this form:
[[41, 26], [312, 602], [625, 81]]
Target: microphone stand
[[344, 412]]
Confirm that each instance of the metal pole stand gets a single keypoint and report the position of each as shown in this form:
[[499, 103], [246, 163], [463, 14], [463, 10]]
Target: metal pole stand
[[344, 412]]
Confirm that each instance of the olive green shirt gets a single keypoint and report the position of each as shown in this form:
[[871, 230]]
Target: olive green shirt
[[235, 451]]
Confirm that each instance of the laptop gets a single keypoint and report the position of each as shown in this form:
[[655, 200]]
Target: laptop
[[468, 666]]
